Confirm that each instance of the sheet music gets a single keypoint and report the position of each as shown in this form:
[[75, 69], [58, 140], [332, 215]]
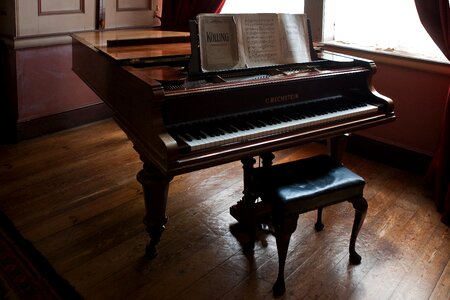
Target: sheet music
[[219, 42], [234, 41], [295, 41], [261, 39]]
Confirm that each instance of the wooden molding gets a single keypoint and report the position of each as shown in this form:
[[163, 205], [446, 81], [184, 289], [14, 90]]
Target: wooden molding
[[437, 67], [148, 6], [62, 121], [61, 12], [391, 155]]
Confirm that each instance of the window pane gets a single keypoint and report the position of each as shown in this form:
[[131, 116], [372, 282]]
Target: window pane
[[391, 25]]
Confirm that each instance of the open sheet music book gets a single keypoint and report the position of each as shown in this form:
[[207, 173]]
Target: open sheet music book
[[239, 41]]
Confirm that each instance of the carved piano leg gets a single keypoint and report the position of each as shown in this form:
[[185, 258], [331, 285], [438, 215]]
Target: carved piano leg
[[247, 166], [240, 210], [156, 187], [360, 206], [267, 159], [337, 146], [247, 205]]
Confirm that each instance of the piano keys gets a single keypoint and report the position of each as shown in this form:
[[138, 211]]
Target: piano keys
[[180, 121], [244, 127]]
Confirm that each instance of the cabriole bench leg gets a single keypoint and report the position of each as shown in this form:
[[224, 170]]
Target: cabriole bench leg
[[319, 225], [360, 206], [283, 231]]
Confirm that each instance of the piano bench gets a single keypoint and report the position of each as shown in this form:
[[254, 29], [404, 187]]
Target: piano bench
[[300, 186]]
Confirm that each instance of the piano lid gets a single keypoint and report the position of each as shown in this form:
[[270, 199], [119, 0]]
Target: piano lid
[[139, 44]]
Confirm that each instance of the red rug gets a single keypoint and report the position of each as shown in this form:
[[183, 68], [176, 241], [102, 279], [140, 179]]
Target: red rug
[[24, 272]]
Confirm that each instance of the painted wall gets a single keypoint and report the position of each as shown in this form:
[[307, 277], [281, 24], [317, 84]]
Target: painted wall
[[42, 93], [46, 84], [418, 88], [419, 98]]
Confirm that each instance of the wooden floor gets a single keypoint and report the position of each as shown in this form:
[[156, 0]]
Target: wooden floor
[[75, 196]]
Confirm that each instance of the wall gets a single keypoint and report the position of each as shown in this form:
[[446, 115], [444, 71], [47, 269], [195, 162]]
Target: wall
[[419, 90], [42, 93], [46, 84], [419, 97]]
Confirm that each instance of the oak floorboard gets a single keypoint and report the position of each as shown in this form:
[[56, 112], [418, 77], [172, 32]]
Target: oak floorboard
[[184, 230], [423, 274], [393, 257], [442, 290], [74, 195]]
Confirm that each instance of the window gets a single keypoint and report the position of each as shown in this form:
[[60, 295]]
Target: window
[[263, 6], [384, 25]]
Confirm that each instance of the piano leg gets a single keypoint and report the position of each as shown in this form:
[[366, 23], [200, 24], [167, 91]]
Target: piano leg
[[337, 146], [267, 159], [156, 187], [251, 215], [247, 165], [246, 206]]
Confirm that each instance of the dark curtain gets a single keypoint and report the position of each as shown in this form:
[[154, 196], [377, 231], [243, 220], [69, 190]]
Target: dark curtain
[[177, 13], [434, 15]]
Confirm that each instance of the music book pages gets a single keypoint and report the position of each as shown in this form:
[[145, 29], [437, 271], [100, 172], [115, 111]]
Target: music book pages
[[239, 41]]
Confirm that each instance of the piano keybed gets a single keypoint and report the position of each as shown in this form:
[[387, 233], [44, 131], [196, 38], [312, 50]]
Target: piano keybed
[[247, 126]]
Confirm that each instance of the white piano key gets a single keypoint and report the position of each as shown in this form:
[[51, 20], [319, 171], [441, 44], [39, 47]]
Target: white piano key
[[244, 135]]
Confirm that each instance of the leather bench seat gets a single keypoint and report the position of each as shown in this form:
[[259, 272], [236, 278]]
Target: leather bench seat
[[300, 186], [307, 184]]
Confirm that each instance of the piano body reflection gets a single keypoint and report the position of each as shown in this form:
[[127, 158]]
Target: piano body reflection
[[181, 122]]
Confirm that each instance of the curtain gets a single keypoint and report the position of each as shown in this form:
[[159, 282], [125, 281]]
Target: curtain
[[177, 13], [434, 15]]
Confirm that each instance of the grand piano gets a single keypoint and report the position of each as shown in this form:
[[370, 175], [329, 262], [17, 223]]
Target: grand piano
[[180, 120]]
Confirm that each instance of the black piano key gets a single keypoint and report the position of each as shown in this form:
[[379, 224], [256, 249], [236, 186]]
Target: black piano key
[[258, 123], [196, 133], [228, 128], [263, 118], [186, 137]]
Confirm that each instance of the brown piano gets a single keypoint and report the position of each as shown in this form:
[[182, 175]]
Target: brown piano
[[181, 120]]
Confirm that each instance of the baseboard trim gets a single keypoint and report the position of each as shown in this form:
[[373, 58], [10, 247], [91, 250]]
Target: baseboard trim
[[66, 120], [391, 155]]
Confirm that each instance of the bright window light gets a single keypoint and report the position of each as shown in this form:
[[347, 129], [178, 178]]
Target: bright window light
[[263, 6], [387, 25]]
